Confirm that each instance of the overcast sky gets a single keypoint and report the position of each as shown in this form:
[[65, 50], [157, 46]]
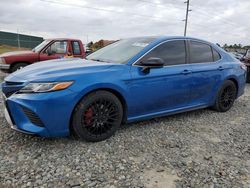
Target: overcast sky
[[222, 21]]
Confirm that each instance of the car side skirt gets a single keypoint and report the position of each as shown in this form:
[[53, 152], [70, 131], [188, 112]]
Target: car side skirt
[[166, 113]]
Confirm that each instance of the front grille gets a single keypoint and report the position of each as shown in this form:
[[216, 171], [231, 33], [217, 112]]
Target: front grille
[[32, 117], [13, 83], [8, 94], [9, 88]]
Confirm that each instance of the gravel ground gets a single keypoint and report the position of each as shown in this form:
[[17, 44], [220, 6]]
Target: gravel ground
[[196, 149]]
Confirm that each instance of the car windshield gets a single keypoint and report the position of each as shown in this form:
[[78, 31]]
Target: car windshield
[[40, 46], [121, 51]]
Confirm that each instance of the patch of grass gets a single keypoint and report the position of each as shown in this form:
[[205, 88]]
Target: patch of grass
[[4, 48]]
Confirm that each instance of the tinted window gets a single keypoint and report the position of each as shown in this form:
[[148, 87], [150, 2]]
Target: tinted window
[[59, 47], [216, 55], [172, 52], [76, 48], [200, 52]]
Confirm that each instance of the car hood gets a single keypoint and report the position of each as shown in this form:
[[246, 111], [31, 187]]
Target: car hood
[[54, 70], [17, 53]]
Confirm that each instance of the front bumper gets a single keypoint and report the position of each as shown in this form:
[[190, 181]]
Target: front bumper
[[9, 119], [4, 66], [53, 109], [14, 127]]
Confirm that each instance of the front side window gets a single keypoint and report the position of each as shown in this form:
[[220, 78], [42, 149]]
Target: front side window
[[172, 53], [200, 52], [76, 48], [59, 47]]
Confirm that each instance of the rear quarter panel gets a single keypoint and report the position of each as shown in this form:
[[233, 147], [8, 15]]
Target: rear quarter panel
[[233, 71]]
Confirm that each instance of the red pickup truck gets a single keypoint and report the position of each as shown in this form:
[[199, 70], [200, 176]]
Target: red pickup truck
[[48, 49]]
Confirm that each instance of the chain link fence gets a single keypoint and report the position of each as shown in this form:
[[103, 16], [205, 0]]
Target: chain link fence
[[19, 40]]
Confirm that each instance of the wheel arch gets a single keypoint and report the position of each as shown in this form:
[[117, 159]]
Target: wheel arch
[[115, 92], [16, 62], [234, 80]]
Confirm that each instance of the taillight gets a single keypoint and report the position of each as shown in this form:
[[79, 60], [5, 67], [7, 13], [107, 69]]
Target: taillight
[[243, 66]]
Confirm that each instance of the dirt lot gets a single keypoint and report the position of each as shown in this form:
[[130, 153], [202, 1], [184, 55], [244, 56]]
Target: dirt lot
[[4, 48], [196, 149]]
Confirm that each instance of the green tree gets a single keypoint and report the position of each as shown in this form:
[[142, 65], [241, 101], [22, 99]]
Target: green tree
[[225, 46], [90, 45]]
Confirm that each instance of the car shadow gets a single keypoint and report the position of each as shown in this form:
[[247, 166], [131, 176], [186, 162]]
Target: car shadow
[[167, 118]]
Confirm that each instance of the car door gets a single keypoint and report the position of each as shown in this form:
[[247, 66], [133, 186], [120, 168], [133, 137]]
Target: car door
[[207, 71], [161, 89], [56, 50]]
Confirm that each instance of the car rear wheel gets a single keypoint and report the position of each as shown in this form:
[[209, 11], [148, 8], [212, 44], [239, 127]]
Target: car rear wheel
[[226, 96], [97, 116], [18, 66]]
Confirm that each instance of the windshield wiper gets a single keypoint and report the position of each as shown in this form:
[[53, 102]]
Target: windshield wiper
[[99, 60]]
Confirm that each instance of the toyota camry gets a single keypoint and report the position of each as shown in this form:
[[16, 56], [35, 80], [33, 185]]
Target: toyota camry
[[130, 80]]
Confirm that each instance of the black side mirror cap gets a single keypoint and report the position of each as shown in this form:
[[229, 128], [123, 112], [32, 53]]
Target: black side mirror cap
[[152, 62]]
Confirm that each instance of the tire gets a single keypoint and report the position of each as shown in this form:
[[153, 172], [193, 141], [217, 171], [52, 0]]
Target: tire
[[226, 96], [97, 116], [18, 66]]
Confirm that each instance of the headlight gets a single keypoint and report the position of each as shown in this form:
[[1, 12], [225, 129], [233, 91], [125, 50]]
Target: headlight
[[44, 87], [2, 61]]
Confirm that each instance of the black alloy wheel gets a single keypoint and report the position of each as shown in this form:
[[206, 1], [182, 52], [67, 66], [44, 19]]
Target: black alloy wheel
[[226, 96], [97, 116]]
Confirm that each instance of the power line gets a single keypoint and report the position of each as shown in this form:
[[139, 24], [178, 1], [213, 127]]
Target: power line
[[199, 9], [162, 5], [159, 4], [223, 20], [99, 9], [202, 26]]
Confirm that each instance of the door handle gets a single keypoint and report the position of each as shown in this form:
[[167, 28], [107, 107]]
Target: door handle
[[186, 72], [220, 68]]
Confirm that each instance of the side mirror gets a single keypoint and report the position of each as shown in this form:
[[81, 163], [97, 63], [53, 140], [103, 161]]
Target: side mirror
[[49, 51], [152, 62]]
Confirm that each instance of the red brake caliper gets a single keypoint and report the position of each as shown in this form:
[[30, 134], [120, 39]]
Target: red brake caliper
[[88, 114]]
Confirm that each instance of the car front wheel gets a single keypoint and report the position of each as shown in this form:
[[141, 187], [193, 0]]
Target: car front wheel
[[18, 66], [97, 116], [226, 96]]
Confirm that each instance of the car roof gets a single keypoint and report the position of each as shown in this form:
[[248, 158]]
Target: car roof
[[179, 37], [161, 38], [61, 39]]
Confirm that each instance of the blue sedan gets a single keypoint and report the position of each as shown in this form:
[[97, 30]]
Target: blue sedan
[[130, 80]]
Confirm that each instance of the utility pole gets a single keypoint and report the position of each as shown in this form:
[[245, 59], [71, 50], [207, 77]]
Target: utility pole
[[186, 20]]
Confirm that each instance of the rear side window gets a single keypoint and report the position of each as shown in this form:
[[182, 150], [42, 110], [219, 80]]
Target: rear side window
[[216, 55], [172, 52], [200, 52], [76, 48]]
